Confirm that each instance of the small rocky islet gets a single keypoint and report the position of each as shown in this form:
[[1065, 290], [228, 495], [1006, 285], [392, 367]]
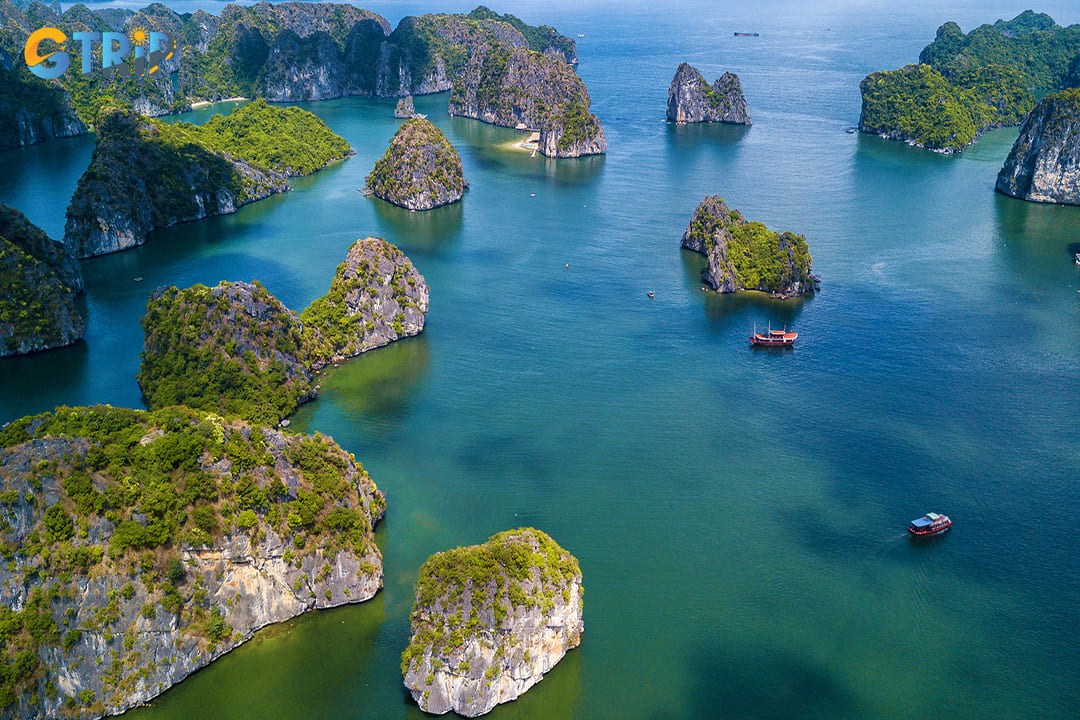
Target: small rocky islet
[[420, 170], [746, 255], [405, 110], [140, 546], [489, 620], [39, 282], [237, 350], [1044, 163], [691, 99]]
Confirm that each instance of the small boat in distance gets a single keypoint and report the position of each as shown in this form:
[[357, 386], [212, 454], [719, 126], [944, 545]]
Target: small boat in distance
[[929, 524], [739, 34], [775, 338]]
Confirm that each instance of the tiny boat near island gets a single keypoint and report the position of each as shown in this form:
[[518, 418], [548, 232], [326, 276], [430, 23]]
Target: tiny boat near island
[[774, 338], [929, 524]]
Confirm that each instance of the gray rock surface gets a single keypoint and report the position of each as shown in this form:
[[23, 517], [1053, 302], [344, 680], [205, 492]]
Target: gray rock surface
[[691, 99], [511, 86], [420, 170], [111, 209], [490, 620], [124, 640], [1044, 163], [382, 295], [405, 110]]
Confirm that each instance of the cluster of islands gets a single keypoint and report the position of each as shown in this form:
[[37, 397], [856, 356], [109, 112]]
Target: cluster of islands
[[140, 545]]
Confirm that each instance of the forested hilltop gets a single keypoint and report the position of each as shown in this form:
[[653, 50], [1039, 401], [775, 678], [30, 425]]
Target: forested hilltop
[[288, 51], [967, 84]]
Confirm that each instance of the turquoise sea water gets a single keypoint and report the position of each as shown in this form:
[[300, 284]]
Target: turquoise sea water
[[738, 515]]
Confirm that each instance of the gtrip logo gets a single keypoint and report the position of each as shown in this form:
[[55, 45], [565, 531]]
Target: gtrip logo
[[147, 49]]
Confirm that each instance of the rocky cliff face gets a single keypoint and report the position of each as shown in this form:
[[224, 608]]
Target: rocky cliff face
[[235, 349], [39, 281], [507, 86], [1044, 163], [745, 255], [420, 170], [33, 110], [489, 620], [691, 99], [118, 584], [137, 182], [405, 110]]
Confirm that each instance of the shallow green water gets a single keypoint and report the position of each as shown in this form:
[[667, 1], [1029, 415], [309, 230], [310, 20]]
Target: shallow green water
[[738, 514]]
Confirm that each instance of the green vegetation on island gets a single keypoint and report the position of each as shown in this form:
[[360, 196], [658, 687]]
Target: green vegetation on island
[[288, 140], [541, 38], [236, 350], [919, 105], [967, 84], [746, 255], [39, 279], [1031, 43], [114, 526], [420, 170], [233, 349]]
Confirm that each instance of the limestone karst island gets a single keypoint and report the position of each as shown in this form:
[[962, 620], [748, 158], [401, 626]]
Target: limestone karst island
[[344, 346]]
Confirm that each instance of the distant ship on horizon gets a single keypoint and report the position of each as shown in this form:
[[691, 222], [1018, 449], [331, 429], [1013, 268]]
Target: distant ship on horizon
[[739, 34]]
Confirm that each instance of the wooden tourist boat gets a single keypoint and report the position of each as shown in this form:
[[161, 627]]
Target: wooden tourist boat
[[776, 338], [929, 524]]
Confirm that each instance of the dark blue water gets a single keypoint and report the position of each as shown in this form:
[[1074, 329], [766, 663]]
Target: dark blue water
[[738, 514]]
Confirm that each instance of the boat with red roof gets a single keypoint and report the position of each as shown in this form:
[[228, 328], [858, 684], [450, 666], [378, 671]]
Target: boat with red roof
[[774, 338], [929, 524]]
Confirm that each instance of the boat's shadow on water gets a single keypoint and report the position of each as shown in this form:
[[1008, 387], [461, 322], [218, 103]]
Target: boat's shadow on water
[[726, 309]]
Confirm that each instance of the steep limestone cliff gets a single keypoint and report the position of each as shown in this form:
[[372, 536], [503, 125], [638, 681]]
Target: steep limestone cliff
[[744, 255], [420, 170], [141, 546], [142, 176], [146, 174], [692, 99], [489, 620], [1044, 163], [39, 279], [507, 86]]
